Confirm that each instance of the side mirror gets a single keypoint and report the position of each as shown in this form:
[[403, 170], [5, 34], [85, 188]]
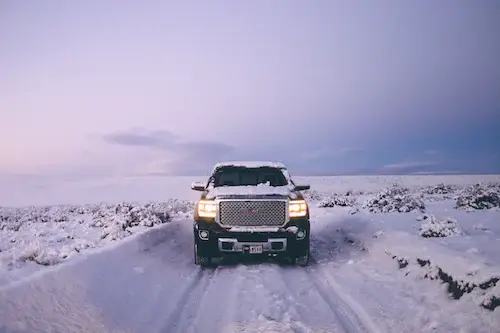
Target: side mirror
[[196, 186], [302, 187]]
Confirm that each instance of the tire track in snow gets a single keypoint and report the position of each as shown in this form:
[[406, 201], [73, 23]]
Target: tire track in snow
[[348, 319], [190, 301], [219, 308], [235, 295], [350, 314], [282, 310], [187, 325], [264, 304], [168, 246], [179, 303], [290, 284]]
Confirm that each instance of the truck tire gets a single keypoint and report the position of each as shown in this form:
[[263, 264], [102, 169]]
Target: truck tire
[[201, 259], [303, 260]]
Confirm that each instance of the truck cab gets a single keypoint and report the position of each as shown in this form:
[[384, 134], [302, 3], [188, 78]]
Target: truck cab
[[251, 208]]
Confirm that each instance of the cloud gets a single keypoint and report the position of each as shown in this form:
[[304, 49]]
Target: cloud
[[181, 157], [142, 138], [438, 172], [409, 167]]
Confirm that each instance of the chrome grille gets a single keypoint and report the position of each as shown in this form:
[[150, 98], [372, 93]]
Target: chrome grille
[[252, 213]]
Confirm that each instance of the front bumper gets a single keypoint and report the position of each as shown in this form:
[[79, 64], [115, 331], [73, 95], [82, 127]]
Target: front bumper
[[219, 241], [233, 245]]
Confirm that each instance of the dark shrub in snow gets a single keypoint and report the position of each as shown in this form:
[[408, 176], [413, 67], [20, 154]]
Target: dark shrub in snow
[[350, 193], [348, 196], [147, 215], [395, 199], [42, 256], [438, 192], [479, 196], [117, 220], [432, 227], [9, 221], [440, 189], [337, 201]]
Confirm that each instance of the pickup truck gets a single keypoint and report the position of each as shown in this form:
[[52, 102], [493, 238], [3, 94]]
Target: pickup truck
[[251, 208]]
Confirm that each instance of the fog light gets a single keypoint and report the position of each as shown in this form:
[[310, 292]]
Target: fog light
[[301, 234], [203, 234]]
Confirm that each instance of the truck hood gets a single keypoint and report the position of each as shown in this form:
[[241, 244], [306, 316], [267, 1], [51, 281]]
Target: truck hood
[[260, 190]]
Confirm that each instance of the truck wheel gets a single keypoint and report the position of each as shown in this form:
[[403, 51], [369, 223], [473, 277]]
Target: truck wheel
[[302, 260], [201, 259]]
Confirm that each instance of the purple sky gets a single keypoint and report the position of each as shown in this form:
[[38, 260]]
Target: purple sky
[[116, 88]]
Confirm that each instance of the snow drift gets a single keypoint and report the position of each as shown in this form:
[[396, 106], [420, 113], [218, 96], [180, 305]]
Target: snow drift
[[48, 235], [485, 290], [465, 275]]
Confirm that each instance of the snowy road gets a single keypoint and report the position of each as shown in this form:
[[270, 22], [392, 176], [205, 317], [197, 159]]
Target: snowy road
[[148, 283]]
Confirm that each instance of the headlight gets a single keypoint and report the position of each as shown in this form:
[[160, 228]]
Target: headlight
[[297, 208], [207, 208]]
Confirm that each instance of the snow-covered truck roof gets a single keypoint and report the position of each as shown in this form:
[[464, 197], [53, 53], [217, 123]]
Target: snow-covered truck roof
[[250, 164]]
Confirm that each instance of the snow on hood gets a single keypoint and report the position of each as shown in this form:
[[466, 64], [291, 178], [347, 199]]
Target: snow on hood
[[260, 189]]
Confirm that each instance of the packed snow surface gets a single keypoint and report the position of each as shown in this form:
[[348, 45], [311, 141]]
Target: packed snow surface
[[389, 254]]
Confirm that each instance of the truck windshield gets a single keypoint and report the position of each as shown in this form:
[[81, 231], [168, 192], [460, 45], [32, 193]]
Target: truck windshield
[[242, 176]]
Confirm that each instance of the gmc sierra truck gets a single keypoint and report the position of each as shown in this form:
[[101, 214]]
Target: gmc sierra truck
[[251, 208]]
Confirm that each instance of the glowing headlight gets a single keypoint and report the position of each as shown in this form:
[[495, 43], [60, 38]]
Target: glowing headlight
[[207, 208], [297, 208]]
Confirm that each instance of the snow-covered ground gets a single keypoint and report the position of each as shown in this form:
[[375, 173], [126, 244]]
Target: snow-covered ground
[[390, 254], [33, 237]]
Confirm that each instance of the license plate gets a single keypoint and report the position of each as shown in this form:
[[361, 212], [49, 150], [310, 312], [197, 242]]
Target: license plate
[[255, 249]]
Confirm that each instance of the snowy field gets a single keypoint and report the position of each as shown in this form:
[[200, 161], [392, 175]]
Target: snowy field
[[390, 254]]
